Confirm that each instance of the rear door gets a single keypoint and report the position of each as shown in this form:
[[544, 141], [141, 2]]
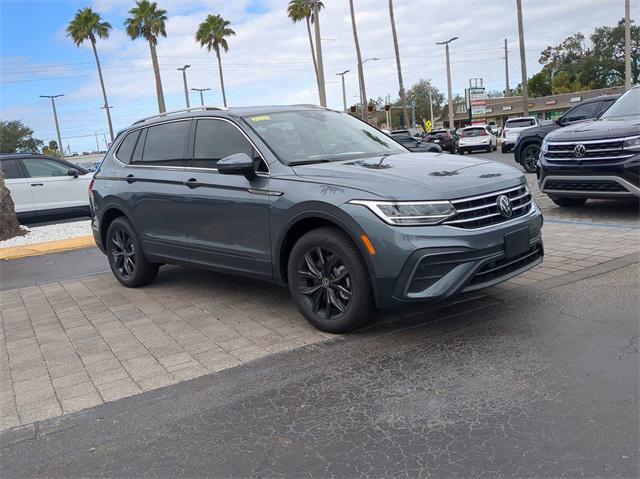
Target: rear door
[[53, 188], [152, 188], [228, 215], [19, 186]]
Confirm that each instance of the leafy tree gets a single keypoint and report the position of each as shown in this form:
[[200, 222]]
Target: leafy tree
[[148, 21], [16, 137], [87, 25], [51, 149], [299, 10], [213, 34], [419, 93]]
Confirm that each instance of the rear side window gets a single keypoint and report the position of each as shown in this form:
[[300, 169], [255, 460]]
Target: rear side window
[[127, 146], [11, 169], [216, 139], [166, 145]]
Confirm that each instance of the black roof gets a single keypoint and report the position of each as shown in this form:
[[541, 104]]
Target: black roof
[[15, 156]]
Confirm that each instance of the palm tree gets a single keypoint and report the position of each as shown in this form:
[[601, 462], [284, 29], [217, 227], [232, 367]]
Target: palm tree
[[148, 21], [87, 25], [212, 33], [299, 10], [363, 92], [403, 101]]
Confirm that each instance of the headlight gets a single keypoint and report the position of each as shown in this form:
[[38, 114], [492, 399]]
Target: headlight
[[407, 213], [632, 143], [545, 145]]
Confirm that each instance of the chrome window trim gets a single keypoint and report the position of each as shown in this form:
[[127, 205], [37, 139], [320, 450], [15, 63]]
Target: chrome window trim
[[632, 189], [263, 174]]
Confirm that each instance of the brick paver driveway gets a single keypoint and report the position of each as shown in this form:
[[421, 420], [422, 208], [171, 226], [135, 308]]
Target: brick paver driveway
[[75, 344]]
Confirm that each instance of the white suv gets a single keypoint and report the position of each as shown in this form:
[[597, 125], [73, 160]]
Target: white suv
[[512, 129], [42, 186], [477, 137]]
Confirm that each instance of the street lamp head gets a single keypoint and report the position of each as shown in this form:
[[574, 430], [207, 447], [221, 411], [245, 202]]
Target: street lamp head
[[51, 96], [183, 68], [343, 73], [448, 41]]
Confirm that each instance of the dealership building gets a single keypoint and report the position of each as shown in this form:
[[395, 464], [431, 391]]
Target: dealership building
[[499, 110]]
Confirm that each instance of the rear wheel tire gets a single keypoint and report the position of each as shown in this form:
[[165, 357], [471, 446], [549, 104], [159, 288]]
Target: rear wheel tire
[[568, 202], [329, 282], [126, 258]]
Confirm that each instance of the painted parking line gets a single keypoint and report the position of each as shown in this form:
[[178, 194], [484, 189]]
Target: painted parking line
[[16, 252], [588, 223]]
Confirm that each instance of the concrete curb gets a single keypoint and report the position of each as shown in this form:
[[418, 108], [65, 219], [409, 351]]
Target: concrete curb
[[16, 252]]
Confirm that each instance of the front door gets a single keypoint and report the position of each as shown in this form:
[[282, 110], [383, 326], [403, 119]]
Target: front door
[[227, 215]]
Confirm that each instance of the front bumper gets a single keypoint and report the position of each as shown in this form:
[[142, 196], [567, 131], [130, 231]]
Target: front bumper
[[432, 263], [590, 179]]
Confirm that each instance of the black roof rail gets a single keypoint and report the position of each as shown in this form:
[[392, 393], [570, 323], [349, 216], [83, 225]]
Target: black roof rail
[[184, 110]]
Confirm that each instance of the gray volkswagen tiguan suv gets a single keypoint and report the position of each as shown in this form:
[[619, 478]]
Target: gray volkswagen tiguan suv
[[314, 199]]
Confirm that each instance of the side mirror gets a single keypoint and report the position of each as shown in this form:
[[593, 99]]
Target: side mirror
[[73, 172], [237, 164]]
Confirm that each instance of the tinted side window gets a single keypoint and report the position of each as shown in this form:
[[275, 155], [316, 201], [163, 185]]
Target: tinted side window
[[582, 112], [216, 139], [136, 159], [126, 147], [40, 168], [11, 169], [166, 145]]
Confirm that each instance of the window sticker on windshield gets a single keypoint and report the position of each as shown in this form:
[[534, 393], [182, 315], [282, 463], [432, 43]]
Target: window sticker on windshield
[[260, 118]]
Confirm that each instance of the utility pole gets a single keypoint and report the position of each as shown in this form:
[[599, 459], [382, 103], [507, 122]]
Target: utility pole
[[316, 23], [201, 97], [523, 62], [344, 92], [450, 108], [97, 143], [184, 80], [363, 92], [627, 44], [507, 90], [430, 106], [403, 100], [55, 118]]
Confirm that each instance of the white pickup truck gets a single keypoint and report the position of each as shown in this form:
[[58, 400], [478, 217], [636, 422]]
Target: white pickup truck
[[512, 129]]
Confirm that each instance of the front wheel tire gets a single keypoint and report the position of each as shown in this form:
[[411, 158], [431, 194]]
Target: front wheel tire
[[568, 202], [529, 157], [328, 281], [126, 258]]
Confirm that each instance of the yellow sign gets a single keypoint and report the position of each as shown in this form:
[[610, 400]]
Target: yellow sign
[[428, 126], [260, 118]]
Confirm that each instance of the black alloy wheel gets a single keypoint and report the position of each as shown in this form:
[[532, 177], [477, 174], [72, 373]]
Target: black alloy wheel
[[123, 252], [529, 157], [126, 258], [329, 282], [325, 281]]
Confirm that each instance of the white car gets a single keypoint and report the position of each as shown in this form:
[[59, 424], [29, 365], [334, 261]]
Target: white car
[[512, 129], [42, 186], [477, 137]]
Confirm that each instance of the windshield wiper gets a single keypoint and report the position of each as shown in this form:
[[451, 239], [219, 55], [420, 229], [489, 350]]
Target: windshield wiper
[[309, 162]]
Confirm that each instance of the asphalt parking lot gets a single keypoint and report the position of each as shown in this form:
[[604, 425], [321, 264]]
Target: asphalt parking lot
[[533, 377]]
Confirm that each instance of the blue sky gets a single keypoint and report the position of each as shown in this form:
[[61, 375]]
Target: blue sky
[[269, 60]]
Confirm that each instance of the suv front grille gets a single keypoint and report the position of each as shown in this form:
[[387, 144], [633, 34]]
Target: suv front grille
[[605, 186], [481, 211], [604, 150]]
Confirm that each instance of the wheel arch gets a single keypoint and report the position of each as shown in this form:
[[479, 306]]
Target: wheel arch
[[111, 212]]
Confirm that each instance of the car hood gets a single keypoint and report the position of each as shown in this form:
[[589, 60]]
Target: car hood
[[597, 130], [415, 176]]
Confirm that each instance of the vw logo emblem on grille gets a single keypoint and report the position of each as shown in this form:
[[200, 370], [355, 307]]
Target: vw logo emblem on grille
[[504, 206], [579, 151]]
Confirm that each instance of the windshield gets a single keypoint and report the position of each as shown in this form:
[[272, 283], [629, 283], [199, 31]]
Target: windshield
[[308, 136], [627, 105], [520, 123]]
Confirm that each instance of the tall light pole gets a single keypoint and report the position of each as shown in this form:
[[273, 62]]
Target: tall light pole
[[201, 97], [507, 89], [184, 80], [322, 92], [55, 118], [363, 90], [450, 107], [627, 44], [430, 106], [344, 92], [523, 62]]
